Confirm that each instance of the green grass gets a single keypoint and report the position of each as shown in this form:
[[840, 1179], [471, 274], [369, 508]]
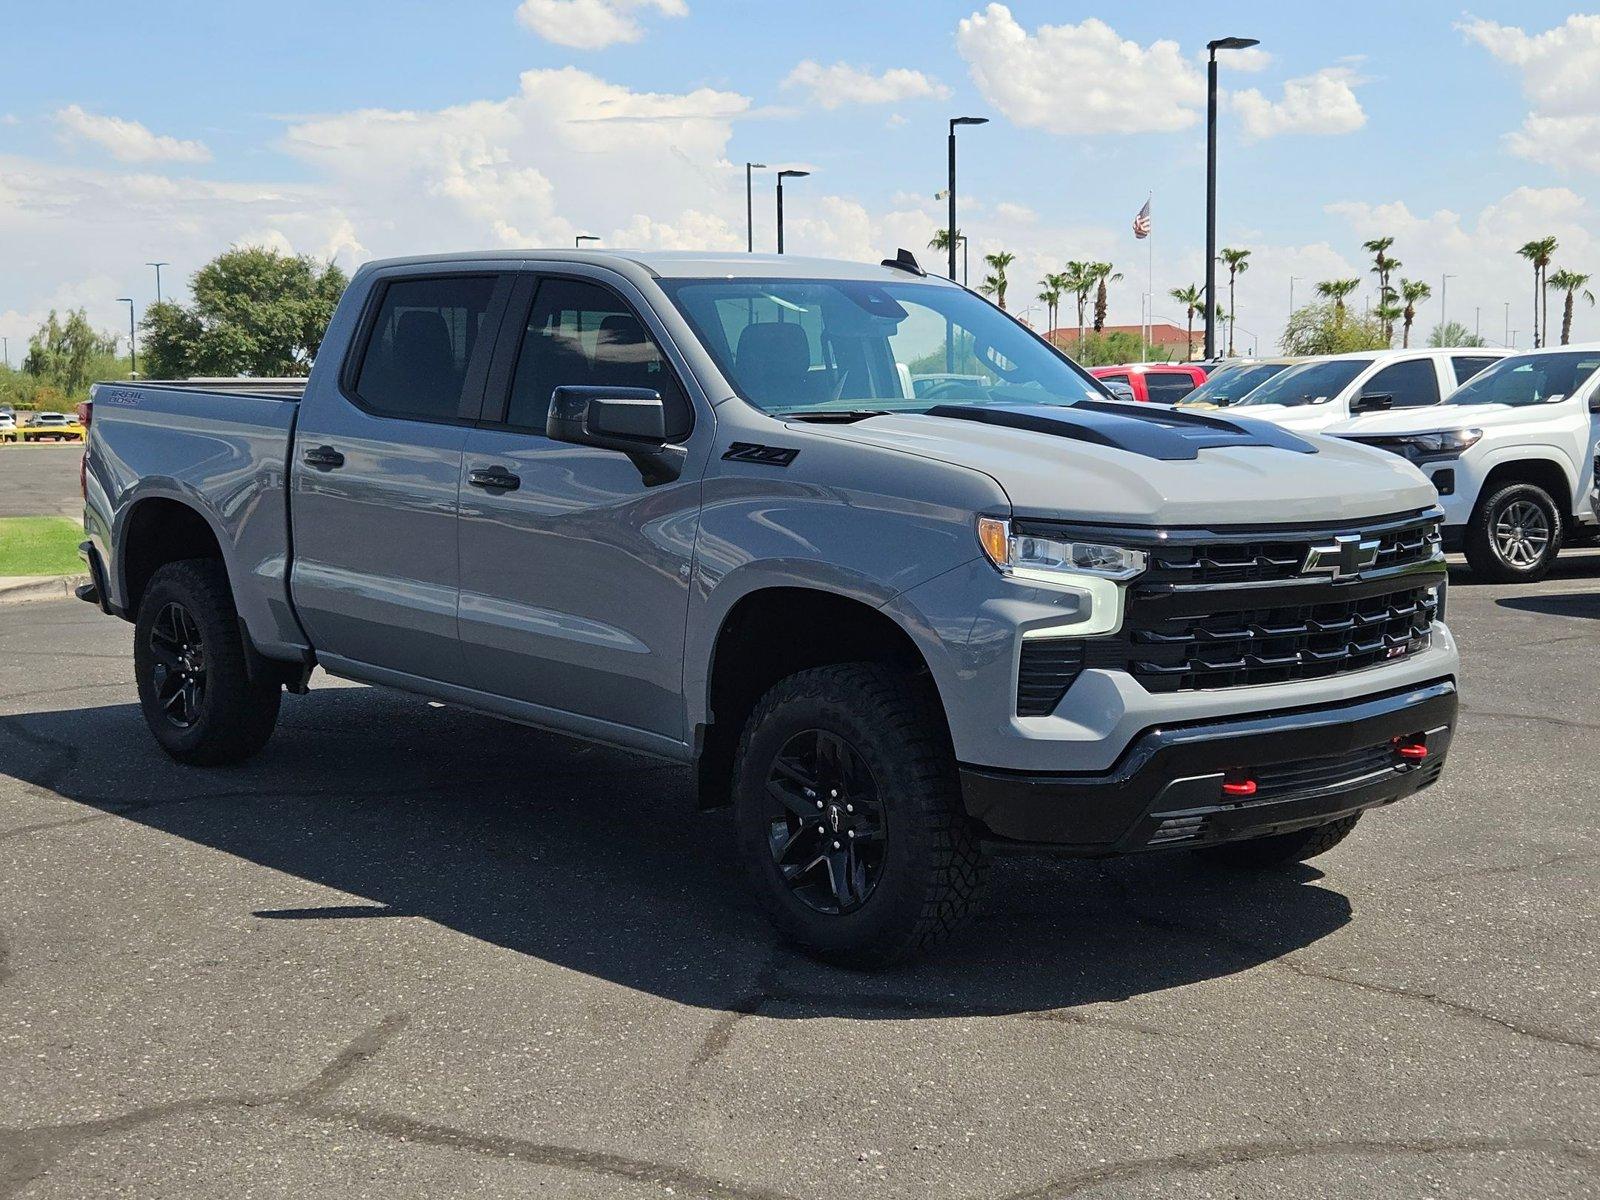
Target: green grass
[[39, 546]]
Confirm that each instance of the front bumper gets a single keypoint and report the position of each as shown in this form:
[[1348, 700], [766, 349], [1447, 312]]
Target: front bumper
[[1314, 765]]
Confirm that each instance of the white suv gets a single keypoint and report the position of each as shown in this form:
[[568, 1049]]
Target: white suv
[[1512, 455], [1326, 391]]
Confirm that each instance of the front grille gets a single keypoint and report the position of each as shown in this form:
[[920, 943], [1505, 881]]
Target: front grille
[[1307, 774], [1235, 648], [1049, 665], [1265, 559]]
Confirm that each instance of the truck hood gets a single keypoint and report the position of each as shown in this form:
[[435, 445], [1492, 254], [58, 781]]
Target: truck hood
[[1065, 464], [1434, 418], [1306, 417]]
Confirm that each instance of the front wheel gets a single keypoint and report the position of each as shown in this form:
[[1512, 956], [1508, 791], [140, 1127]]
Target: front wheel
[[189, 657], [1515, 535], [849, 816]]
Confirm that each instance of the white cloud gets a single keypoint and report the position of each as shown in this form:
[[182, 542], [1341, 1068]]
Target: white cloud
[[128, 141], [1561, 79], [841, 84], [592, 24], [1250, 59], [10, 119], [1323, 103], [1079, 78]]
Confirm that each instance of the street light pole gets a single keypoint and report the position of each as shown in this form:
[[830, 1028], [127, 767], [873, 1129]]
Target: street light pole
[[1507, 342], [1227, 43], [749, 208], [158, 266], [1292, 280], [577, 242], [950, 230], [963, 240], [1444, 284], [133, 349], [782, 175]]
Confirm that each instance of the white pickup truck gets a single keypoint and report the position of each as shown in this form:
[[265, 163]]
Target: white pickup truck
[[1512, 456], [1326, 391]]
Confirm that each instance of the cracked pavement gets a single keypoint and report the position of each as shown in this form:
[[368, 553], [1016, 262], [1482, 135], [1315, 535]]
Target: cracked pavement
[[410, 951]]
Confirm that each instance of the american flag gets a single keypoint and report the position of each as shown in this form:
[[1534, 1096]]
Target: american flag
[[1141, 223]]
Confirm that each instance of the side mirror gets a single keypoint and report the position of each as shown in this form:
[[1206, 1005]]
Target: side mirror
[[631, 421], [1594, 403], [1372, 402]]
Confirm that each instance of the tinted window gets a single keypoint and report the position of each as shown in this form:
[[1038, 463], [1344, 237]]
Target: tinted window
[[1466, 367], [1412, 384], [1168, 387], [581, 334], [1229, 384], [1530, 379], [417, 354], [1119, 378]]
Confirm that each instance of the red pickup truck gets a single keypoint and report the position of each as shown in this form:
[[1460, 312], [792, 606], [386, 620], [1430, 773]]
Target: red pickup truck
[[1164, 383]]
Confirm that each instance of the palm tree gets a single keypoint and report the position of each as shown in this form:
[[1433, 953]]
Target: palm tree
[[1102, 274], [1336, 290], [1383, 266], [998, 262], [1539, 253], [1413, 292], [1573, 284], [1054, 286], [1238, 263], [1388, 312], [1193, 301], [1080, 282]]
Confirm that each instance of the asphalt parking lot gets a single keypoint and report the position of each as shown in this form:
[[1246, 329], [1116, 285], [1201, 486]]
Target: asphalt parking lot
[[40, 479], [410, 951]]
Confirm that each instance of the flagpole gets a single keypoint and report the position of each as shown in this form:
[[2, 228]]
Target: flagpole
[[1150, 283]]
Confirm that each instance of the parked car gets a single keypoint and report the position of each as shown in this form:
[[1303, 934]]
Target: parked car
[[689, 505], [1512, 456], [51, 427], [1325, 391], [1159, 383], [8, 426], [1231, 383]]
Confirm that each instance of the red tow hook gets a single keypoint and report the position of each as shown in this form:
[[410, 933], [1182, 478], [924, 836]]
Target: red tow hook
[[1235, 784], [1410, 749]]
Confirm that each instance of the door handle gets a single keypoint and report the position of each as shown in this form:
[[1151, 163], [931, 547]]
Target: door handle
[[496, 479], [324, 458]]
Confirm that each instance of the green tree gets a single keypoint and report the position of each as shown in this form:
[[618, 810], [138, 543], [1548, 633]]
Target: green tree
[[1539, 252], [997, 282], [1102, 274], [1080, 282], [1337, 290], [1453, 333], [1573, 284], [69, 354], [1193, 299], [1383, 267], [1238, 262], [1413, 292], [255, 312], [1104, 349], [1328, 329]]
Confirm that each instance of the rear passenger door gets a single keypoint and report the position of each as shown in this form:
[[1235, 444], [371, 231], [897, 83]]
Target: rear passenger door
[[377, 468], [1465, 366], [575, 574], [1411, 382]]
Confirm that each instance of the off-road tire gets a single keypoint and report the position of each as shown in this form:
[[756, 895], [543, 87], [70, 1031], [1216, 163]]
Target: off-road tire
[[1484, 555], [933, 869], [1281, 849], [235, 714]]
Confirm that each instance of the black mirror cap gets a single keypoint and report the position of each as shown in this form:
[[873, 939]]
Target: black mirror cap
[[1594, 403], [612, 418], [1372, 402]]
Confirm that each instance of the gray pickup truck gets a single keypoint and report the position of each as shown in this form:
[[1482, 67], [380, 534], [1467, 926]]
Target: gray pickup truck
[[899, 581]]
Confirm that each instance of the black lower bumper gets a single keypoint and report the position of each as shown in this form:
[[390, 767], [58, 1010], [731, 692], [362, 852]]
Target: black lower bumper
[[1307, 767]]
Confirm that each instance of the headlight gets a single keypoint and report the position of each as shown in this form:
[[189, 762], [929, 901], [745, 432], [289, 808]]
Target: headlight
[[1031, 556], [1448, 443]]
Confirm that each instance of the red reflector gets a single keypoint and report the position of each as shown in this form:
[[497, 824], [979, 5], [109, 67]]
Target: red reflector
[[1239, 787], [1412, 751]]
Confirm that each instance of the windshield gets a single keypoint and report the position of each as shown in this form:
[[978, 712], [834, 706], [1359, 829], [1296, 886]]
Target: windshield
[[1309, 383], [1529, 379], [825, 345], [1232, 384]]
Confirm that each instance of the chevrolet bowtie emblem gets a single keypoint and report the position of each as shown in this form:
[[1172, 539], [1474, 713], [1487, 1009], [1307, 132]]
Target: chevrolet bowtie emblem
[[1343, 558]]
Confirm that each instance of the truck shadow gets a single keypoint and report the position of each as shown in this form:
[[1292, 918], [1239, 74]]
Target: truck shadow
[[597, 860]]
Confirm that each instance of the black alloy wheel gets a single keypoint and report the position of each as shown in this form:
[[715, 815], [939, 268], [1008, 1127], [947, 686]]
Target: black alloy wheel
[[827, 827], [178, 665]]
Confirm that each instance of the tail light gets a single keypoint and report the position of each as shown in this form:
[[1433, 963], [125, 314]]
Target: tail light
[[85, 415]]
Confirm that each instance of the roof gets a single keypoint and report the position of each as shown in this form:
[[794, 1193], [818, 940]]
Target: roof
[[1158, 367], [681, 264]]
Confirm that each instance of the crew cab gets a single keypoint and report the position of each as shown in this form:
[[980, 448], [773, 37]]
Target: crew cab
[[1159, 383], [1232, 382], [1326, 391], [1512, 456], [887, 570]]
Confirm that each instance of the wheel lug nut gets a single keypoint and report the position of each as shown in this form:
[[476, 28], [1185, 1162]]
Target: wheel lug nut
[[833, 793], [850, 833], [819, 803], [849, 808], [820, 829], [836, 845]]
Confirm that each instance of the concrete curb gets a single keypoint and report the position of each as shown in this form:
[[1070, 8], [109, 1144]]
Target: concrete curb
[[23, 589]]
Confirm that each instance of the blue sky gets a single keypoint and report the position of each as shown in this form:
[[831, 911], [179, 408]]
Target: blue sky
[[362, 129]]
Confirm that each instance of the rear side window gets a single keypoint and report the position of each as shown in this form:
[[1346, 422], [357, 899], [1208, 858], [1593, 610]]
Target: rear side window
[[1114, 378], [422, 339], [1413, 384], [581, 333], [1168, 387], [1467, 366]]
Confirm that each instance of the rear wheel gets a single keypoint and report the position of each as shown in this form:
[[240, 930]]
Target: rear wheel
[[849, 816], [1282, 848], [189, 658], [1515, 535]]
